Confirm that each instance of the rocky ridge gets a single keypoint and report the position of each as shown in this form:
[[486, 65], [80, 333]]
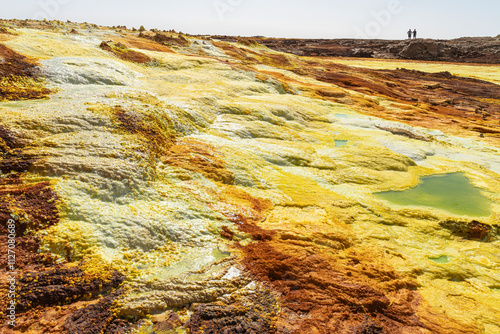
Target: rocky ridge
[[462, 50]]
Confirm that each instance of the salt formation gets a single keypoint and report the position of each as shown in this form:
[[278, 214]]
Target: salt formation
[[206, 186], [87, 71]]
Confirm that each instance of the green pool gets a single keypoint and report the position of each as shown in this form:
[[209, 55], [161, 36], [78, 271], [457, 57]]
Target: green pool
[[340, 143], [450, 192], [440, 259]]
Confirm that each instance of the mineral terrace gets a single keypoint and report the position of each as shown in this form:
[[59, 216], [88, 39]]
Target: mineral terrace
[[166, 183]]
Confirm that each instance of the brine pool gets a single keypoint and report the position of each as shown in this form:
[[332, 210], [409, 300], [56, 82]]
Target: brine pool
[[440, 259], [340, 143], [450, 192]]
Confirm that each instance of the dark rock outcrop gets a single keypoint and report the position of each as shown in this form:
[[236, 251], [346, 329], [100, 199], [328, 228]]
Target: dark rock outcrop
[[421, 49], [466, 49]]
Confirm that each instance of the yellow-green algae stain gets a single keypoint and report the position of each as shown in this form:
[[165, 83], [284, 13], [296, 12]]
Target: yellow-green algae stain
[[450, 192]]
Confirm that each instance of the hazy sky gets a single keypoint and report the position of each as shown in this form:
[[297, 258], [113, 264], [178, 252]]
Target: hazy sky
[[278, 18]]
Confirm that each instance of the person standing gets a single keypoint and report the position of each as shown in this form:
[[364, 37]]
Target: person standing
[[414, 33], [409, 34]]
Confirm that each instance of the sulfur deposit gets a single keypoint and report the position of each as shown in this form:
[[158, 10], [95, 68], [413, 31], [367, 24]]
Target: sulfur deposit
[[163, 183]]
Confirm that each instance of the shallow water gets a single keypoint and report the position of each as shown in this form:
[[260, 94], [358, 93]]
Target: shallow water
[[440, 259], [450, 192], [341, 116], [340, 143], [219, 255]]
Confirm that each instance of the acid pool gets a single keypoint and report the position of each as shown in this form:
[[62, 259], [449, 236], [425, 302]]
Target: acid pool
[[340, 143], [450, 192], [440, 259]]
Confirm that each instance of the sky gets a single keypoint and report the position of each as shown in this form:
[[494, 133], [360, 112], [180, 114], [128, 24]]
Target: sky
[[384, 19]]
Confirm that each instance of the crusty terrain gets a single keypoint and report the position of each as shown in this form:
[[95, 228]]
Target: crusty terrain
[[166, 183]]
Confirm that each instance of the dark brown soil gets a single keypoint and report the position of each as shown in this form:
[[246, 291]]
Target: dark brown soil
[[97, 318], [37, 203], [15, 64], [472, 230], [167, 40], [123, 52], [19, 77], [215, 319], [60, 285], [251, 313]]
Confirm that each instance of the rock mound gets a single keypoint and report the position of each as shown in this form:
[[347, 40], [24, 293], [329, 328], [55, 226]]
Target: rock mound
[[421, 49]]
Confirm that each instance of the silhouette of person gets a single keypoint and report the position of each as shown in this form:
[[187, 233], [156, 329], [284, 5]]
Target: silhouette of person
[[414, 33], [409, 34]]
